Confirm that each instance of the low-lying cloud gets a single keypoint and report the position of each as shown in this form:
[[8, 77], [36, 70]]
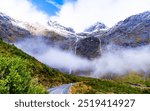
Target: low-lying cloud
[[123, 61], [112, 61], [52, 56]]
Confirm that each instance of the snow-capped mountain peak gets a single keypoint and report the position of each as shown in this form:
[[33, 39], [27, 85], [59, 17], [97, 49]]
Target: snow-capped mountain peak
[[36, 29], [55, 25], [96, 27]]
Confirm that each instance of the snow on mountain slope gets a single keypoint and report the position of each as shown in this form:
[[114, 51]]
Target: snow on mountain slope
[[65, 31], [54, 24], [96, 27], [133, 31], [13, 30], [95, 30], [5, 18], [39, 29], [8, 20], [9, 29]]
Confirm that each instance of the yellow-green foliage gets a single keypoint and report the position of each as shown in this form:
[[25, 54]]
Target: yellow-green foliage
[[133, 78], [80, 88], [15, 76]]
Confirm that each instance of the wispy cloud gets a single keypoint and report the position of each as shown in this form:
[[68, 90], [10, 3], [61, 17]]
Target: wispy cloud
[[23, 10], [80, 14], [120, 61], [54, 3]]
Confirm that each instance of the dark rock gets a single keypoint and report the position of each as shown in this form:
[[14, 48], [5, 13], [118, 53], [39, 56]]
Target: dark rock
[[88, 47]]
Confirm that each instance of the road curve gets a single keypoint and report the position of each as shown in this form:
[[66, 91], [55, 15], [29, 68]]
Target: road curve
[[63, 89]]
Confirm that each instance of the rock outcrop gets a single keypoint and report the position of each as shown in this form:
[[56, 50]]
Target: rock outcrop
[[9, 31], [88, 47], [132, 32]]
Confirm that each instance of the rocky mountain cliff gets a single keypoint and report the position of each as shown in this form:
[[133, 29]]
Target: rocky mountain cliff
[[55, 34], [88, 47], [131, 32], [13, 30], [9, 31]]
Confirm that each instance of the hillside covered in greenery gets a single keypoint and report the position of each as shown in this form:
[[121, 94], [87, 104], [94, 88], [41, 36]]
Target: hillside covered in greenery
[[23, 74]]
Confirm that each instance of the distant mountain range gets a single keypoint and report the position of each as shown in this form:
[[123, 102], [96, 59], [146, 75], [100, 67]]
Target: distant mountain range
[[131, 32]]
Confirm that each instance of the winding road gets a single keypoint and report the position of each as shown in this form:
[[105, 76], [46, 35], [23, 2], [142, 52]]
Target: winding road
[[64, 89]]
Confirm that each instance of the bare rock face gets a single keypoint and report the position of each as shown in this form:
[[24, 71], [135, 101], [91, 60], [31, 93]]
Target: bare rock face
[[132, 32], [8, 31], [12, 30], [88, 47]]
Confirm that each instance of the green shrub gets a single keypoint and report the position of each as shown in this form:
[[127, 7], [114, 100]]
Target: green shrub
[[133, 78], [36, 88], [4, 89], [15, 77]]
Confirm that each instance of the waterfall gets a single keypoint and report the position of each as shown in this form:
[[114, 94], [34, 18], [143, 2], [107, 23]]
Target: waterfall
[[100, 46], [70, 69], [76, 45]]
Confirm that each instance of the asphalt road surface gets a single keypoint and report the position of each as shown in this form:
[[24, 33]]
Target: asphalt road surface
[[64, 89]]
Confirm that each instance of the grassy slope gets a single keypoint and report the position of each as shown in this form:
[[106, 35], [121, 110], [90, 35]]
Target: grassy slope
[[49, 77]]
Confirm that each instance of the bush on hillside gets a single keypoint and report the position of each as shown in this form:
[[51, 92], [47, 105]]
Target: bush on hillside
[[15, 77]]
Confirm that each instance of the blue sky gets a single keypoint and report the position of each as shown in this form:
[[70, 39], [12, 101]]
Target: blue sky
[[47, 7]]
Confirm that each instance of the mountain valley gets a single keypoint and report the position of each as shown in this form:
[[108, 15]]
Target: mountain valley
[[99, 60]]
